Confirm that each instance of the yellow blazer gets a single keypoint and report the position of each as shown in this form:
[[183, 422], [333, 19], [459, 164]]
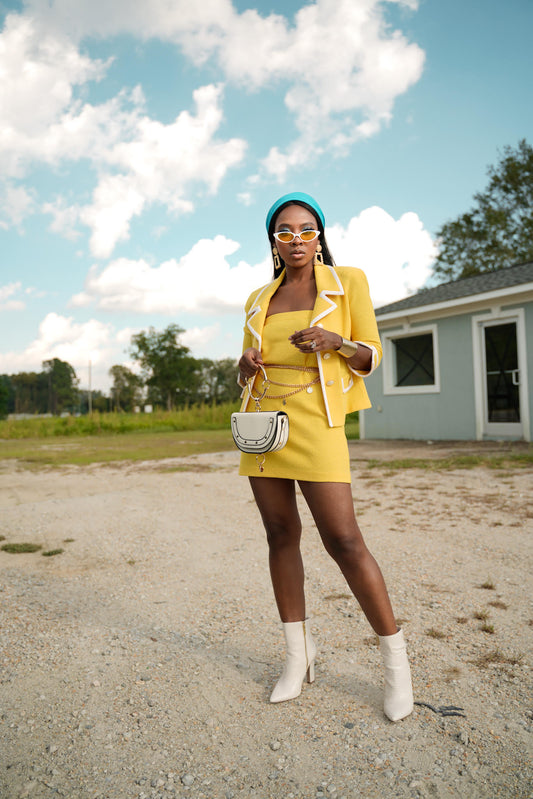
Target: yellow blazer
[[343, 306]]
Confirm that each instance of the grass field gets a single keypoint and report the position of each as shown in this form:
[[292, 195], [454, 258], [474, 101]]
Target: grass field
[[104, 438], [197, 417], [105, 448], [508, 460]]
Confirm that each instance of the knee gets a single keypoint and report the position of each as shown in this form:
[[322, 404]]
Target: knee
[[344, 547], [282, 532]]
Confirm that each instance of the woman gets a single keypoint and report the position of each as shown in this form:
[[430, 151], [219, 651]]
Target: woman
[[314, 332]]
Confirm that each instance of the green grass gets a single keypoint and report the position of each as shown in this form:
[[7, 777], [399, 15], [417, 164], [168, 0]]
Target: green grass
[[498, 658], [433, 633], [352, 426], [139, 445], [520, 460], [197, 417], [110, 437], [15, 549]]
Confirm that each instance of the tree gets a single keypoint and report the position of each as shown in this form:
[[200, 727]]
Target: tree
[[126, 388], [99, 401], [30, 392], [498, 231], [62, 385], [219, 380], [6, 392], [167, 367]]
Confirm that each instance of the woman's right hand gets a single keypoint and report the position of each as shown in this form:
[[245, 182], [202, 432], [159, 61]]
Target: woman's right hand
[[249, 363]]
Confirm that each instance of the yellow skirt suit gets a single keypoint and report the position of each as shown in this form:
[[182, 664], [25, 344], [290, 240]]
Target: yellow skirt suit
[[316, 390]]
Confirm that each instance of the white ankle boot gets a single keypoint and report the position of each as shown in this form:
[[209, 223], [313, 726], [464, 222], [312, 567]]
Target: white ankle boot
[[398, 690], [301, 653]]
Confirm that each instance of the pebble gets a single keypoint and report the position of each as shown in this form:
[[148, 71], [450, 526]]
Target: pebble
[[187, 780]]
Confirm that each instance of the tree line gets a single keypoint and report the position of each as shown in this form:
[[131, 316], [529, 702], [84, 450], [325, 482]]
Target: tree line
[[169, 377]]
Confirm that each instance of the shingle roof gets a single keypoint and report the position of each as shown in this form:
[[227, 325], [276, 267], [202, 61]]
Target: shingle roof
[[467, 286]]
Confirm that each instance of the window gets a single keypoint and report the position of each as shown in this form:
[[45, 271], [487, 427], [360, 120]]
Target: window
[[414, 360], [411, 363]]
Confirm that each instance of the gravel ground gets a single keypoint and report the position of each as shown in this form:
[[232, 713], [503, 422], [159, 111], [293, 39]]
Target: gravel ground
[[138, 663]]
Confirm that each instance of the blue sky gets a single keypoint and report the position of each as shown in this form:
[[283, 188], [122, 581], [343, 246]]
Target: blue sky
[[143, 141]]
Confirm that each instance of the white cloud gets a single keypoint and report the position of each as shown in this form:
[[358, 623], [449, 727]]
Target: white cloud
[[75, 342], [39, 70], [245, 198], [139, 160], [347, 96], [396, 254], [161, 163], [199, 339], [7, 303], [339, 63], [15, 204], [202, 280], [65, 217]]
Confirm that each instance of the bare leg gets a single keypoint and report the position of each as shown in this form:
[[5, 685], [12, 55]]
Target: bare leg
[[276, 500], [332, 507]]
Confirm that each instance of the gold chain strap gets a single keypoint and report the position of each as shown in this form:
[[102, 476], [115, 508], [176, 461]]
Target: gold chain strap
[[297, 386]]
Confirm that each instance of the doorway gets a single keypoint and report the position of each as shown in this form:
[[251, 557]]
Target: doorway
[[502, 378]]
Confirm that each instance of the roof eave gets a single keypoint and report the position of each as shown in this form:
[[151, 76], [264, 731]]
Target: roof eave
[[470, 299]]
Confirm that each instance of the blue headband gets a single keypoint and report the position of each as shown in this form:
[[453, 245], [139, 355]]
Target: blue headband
[[296, 196]]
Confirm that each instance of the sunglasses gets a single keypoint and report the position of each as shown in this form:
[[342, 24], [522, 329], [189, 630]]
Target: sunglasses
[[285, 236]]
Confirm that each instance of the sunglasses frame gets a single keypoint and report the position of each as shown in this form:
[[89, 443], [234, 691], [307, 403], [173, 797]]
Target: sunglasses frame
[[296, 236]]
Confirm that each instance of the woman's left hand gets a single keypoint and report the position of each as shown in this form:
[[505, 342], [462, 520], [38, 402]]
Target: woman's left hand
[[315, 339]]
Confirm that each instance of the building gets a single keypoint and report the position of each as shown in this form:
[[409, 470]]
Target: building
[[457, 361]]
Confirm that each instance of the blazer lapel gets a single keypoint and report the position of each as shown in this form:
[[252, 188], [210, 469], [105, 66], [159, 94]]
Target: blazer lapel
[[257, 313], [328, 286]]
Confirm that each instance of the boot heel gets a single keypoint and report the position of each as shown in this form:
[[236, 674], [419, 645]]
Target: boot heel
[[311, 672]]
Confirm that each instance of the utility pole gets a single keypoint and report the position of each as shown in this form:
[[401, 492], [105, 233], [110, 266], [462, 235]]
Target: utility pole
[[90, 391]]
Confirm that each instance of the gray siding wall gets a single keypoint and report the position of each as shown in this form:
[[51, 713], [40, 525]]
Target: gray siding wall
[[449, 414]]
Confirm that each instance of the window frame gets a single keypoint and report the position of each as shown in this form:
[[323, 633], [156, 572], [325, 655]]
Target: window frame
[[389, 361]]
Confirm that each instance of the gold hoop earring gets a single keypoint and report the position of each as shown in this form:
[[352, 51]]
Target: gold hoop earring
[[318, 254], [275, 256]]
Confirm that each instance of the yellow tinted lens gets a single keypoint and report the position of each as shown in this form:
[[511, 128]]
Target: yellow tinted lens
[[285, 236], [308, 235]]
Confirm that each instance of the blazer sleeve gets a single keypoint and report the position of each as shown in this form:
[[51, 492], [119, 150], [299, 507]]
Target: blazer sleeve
[[247, 337], [364, 328]]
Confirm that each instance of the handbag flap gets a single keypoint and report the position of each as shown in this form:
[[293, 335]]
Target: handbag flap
[[253, 427], [266, 431]]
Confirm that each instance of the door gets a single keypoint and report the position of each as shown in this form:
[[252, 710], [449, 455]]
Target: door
[[501, 367]]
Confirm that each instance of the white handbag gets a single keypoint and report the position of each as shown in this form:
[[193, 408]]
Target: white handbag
[[260, 431]]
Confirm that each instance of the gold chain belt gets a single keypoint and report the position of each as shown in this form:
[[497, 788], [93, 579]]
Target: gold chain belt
[[296, 386]]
